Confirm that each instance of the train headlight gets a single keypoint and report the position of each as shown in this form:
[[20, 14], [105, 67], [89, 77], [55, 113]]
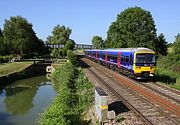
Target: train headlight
[[151, 75]]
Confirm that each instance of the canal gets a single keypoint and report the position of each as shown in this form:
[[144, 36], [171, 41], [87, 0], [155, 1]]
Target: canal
[[22, 101]]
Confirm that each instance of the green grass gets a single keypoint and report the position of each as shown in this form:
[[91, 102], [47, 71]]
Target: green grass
[[79, 51], [9, 68]]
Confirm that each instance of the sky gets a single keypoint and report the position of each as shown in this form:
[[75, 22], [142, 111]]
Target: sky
[[88, 18]]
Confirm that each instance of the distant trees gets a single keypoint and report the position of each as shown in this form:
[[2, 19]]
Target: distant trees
[[19, 37], [134, 27], [161, 45], [60, 35], [98, 42], [172, 60], [176, 46], [1, 43]]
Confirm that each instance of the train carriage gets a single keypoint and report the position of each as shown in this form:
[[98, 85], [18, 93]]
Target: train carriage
[[135, 62]]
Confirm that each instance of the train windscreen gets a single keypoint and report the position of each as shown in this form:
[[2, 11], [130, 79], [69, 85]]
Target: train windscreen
[[145, 59]]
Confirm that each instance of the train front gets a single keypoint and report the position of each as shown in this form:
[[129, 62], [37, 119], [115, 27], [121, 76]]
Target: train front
[[144, 64]]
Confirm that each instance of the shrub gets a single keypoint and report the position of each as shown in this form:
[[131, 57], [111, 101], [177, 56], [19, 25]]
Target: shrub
[[7, 58], [72, 57], [74, 96]]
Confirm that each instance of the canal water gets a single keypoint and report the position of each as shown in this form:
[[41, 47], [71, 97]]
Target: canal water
[[22, 102]]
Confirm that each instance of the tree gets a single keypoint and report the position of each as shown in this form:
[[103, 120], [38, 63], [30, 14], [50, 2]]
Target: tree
[[60, 35], [176, 46], [97, 41], [134, 27], [1, 43], [70, 44], [19, 36], [161, 45]]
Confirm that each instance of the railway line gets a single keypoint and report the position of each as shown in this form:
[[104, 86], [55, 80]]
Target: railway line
[[150, 107], [164, 92]]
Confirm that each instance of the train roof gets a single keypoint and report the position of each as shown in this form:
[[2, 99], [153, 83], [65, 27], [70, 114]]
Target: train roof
[[140, 49]]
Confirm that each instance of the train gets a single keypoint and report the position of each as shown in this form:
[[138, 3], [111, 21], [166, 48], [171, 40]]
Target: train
[[138, 63]]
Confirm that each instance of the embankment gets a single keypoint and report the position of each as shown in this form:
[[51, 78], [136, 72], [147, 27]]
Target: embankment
[[32, 70]]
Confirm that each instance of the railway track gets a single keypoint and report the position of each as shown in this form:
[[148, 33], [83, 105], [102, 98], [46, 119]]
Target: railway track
[[140, 104], [164, 92]]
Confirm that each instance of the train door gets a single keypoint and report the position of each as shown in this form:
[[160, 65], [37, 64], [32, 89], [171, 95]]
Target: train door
[[96, 55], [119, 59], [106, 56]]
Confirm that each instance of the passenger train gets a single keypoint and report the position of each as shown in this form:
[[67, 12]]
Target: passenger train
[[137, 63]]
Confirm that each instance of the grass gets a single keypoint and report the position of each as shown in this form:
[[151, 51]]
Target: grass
[[79, 51], [9, 68]]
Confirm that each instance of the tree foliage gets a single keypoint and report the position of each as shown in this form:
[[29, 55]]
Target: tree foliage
[[1, 43], [70, 44], [60, 35], [19, 37], [72, 57], [97, 41], [134, 27], [172, 60], [161, 45], [176, 46]]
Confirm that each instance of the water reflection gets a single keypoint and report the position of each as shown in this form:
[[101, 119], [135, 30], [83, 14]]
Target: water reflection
[[19, 96], [22, 101]]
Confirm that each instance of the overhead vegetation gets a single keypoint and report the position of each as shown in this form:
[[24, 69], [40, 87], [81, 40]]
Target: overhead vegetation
[[20, 38]]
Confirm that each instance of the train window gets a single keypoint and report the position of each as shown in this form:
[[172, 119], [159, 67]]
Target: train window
[[103, 56], [131, 60], [97, 54], [115, 58], [94, 54], [127, 58], [122, 58], [109, 57]]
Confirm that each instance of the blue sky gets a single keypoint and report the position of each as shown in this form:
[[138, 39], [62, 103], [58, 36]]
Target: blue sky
[[87, 18]]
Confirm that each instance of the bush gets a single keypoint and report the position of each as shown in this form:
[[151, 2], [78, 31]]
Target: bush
[[72, 57], [168, 70], [7, 58], [74, 96]]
